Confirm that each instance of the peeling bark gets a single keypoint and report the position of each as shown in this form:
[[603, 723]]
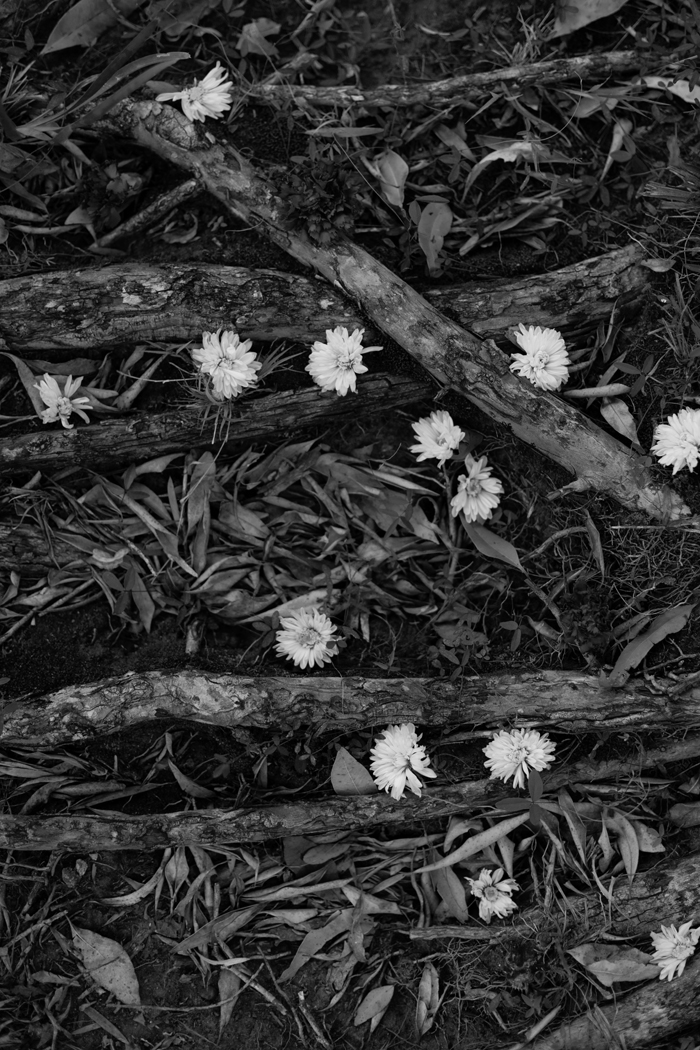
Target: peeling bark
[[565, 700], [144, 435], [454, 90], [90, 310], [457, 359]]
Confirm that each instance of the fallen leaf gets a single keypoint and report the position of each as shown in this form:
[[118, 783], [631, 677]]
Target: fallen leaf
[[108, 965], [350, 777], [253, 39], [428, 999], [491, 545], [666, 623], [451, 889], [374, 1005], [392, 172], [575, 14], [679, 88], [618, 415], [229, 988], [435, 223], [608, 963], [477, 843], [86, 21]]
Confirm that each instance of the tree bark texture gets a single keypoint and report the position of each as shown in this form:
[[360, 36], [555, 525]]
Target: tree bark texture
[[453, 91], [144, 435], [655, 1011], [565, 700], [478, 370], [90, 310]]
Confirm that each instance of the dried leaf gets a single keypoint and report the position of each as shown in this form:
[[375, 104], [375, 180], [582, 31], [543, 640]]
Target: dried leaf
[[491, 545], [608, 963], [621, 131], [392, 172], [451, 889], [477, 843], [253, 39], [685, 814], [574, 14], [229, 988], [374, 1005], [316, 940], [142, 892], [455, 141], [576, 825], [618, 415], [188, 785], [319, 855], [679, 88], [350, 777], [626, 841], [85, 22], [668, 622], [435, 223], [108, 965], [428, 999], [28, 382], [648, 838]]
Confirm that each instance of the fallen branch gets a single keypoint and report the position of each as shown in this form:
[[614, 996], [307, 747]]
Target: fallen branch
[[657, 1010], [565, 700], [453, 91], [457, 359], [145, 435], [89, 310]]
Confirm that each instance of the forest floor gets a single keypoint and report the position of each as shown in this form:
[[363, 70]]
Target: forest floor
[[186, 562]]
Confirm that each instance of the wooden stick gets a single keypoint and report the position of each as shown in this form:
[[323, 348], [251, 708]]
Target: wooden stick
[[453, 91], [135, 302], [457, 359], [570, 701], [145, 435]]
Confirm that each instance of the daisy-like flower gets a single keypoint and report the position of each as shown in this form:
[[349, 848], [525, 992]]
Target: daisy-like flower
[[396, 758], [61, 403], [335, 364], [673, 949], [677, 441], [438, 437], [545, 361], [494, 893], [206, 98], [307, 638], [229, 362], [478, 494], [513, 753]]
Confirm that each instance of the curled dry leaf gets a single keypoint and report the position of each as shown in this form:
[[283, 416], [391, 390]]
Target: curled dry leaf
[[349, 777], [108, 965], [374, 1005], [428, 999], [392, 172], [608, 963], [618, 415]]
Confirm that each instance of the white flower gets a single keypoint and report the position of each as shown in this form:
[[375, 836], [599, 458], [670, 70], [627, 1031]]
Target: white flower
[[545, 361], [677, 442], [673, 949], [61, 403], [438, 437], [307, 638], [495, 894], [396, 758], [334, 365], [514, 753], [479, 494], [228, 361], [206, 98]]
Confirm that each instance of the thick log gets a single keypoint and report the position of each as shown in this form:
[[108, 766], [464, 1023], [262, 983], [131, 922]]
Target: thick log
[[454, 90], [457, 359], [144, 435], [657, 1010], [91, 310], [563, 700]]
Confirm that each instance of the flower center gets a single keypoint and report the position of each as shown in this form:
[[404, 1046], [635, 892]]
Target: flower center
[[309, 638], [490, 893], [65, 406], [346, 360], [472, 487], [540, 359]]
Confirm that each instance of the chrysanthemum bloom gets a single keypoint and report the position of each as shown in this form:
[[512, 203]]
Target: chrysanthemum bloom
[[396, 758], [545, 361], [335, 364], [478, 494], [677, 442], [61, 403], [438, 437], [206, 98], [673, 949], [307, 638], [494, 893], [228, 361], [513, 753]]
